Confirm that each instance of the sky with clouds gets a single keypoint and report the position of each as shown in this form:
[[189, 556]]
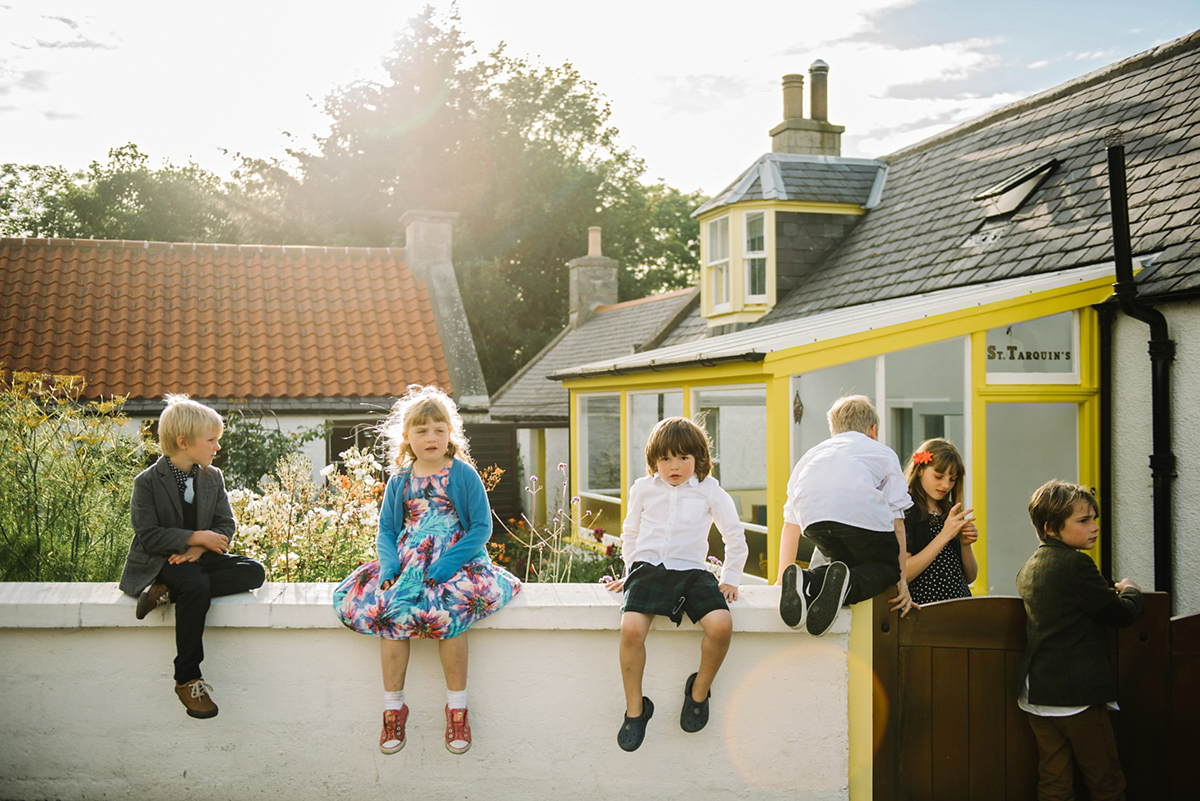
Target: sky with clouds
[[694, 84]]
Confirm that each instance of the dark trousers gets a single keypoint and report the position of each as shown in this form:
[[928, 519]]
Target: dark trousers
[[872, 556], [1086, 739], [193, 585]]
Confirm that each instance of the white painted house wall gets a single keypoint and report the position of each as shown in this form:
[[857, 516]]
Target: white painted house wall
[[1132, 524], [88, 710]]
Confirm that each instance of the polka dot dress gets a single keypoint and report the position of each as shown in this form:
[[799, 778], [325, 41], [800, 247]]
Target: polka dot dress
[[944, 578]]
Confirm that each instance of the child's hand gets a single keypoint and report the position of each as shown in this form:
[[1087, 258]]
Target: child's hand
[[729, 591], [903, 601], [210, 540], [616, 584], [386, 584], [956, 520], [192, 554], [969, 533]]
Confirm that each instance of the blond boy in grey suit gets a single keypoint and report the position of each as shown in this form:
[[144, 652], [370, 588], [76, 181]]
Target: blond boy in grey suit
[[182, 527]]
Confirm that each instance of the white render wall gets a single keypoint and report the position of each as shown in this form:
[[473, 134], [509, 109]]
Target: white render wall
[[1132, 524], [88, 710]]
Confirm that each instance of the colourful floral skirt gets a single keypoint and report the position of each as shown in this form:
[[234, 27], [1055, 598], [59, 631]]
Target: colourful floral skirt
[[413, 607]]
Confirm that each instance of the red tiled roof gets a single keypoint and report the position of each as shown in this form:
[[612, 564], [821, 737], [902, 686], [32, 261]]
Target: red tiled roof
[[217, 321]]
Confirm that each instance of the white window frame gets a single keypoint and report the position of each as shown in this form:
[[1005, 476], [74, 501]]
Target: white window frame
[[750, 256], [717, 264]]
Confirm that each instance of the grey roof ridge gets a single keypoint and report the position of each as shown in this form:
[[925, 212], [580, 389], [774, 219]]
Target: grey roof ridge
[[765, 167], [685, 308], [1106, 73]]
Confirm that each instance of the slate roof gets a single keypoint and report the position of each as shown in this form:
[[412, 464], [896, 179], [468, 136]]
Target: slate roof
[[927, 233], [815, 179], [218, 321], [613, 331]]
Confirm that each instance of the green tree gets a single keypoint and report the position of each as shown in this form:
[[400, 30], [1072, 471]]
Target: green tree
[[524, 152], [36, 201], [122, 198]]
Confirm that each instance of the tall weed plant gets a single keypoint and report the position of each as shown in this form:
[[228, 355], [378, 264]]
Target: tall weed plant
[[568, 547], [66, 472]]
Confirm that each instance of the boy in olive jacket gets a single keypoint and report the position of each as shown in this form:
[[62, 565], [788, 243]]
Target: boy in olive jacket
[[1065, 680]]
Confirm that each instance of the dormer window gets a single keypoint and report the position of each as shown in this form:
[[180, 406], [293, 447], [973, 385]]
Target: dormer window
[[717, 266], [754, 257]]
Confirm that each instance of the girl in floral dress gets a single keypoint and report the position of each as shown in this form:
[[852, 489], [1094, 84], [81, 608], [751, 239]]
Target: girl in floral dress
[[940, 533], [433, 578]]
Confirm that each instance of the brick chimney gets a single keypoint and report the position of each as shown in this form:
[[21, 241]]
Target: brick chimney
[[815, 136], [593, 281]]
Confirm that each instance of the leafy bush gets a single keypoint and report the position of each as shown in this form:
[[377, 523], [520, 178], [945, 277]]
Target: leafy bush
[[66, 475], [251, 450]]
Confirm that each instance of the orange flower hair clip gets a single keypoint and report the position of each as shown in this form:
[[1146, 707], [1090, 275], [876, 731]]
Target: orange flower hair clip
[[922, 457]]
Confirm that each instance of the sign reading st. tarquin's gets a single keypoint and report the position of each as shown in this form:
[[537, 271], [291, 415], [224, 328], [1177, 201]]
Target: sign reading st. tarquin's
[[1044, 345]]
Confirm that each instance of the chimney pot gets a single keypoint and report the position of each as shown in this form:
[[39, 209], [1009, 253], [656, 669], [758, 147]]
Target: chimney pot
[[793, 96], [594, 240], [819, 72]]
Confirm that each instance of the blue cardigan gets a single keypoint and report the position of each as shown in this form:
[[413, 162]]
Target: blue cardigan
[[466, 492]]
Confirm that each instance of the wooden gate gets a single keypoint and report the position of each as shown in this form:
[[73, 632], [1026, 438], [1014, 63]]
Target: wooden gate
[[947, 726]]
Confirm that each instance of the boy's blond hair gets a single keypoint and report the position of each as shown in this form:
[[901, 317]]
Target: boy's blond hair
[[678, 436], [186, 418], [1053, 503], [851, 413]]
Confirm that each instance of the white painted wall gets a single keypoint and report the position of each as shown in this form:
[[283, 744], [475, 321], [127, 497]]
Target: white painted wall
[[88, 710], [1132, 524]]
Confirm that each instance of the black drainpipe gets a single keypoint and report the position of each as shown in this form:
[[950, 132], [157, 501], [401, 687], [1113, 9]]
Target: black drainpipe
[[1162, 352], [1107, 315]]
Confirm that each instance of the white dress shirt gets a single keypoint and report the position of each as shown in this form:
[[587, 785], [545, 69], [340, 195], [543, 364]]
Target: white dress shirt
[[851, 479], [668, 525]]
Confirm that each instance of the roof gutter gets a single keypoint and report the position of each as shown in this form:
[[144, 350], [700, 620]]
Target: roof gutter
[[703, 361], [1162, 353]]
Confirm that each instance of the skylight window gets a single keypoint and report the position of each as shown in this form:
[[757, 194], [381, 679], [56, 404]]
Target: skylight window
[[1010, 194]]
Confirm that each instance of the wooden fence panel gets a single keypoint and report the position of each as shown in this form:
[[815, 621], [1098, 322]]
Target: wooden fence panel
[[1185, 702], [951, 728]]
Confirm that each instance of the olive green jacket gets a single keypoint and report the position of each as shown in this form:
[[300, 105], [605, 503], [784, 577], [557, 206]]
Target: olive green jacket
[[1069, 607]]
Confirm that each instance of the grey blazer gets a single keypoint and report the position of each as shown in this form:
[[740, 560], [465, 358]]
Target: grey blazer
[[157, 516]]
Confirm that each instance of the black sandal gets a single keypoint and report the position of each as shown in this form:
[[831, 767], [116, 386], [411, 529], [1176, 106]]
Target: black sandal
[[633, 730], [694, 716]]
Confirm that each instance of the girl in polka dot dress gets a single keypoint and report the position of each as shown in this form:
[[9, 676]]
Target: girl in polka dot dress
[[940, 532]]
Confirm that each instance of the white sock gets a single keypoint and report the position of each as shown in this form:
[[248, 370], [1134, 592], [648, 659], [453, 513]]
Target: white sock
[[393, 700], [456, 700]]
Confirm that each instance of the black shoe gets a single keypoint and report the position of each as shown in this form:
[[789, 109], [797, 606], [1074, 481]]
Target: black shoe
[[152, 597], [633, 730], [825, 607], [793, 606], [694, 716]]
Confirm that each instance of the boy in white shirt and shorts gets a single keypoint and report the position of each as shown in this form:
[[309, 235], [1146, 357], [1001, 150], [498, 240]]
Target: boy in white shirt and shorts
[[664, 543], [848, 495]]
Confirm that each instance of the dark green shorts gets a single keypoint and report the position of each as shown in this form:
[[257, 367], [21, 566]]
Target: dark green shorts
[[655, 590]]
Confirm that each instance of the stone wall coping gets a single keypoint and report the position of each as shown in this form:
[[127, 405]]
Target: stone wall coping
[[54, 605]]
